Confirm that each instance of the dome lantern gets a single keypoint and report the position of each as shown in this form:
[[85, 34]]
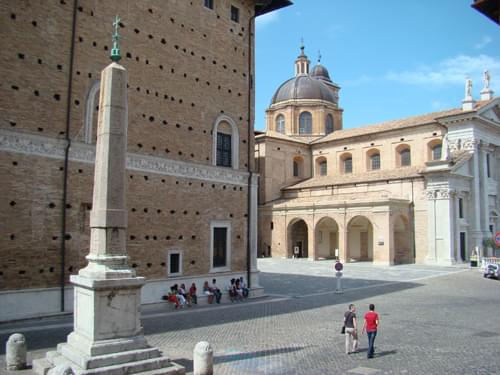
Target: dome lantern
[[302, 62]]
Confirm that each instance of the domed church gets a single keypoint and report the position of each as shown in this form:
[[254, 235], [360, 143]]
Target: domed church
[[422, 189]]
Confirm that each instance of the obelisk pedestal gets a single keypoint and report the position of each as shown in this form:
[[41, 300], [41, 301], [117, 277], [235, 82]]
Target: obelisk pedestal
[[107, 336]]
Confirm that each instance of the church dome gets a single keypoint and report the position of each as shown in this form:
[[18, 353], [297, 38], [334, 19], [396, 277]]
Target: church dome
[[303, 87], [320, 72]]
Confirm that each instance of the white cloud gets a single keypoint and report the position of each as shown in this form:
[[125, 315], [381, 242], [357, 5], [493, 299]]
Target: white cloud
[[361, 80], [485, 40], [266, 19], [451, 71]]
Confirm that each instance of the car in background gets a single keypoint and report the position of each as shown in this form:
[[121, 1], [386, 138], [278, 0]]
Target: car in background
[[492, 271]]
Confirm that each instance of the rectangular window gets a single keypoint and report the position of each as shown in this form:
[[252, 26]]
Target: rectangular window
[[375, 161], [219, 247], [223, 150], [460, 208], [405, 158], [348, 165], [488, 172], [322, 168], [174, 262], [295, 169], [235, 14], [209, 4]]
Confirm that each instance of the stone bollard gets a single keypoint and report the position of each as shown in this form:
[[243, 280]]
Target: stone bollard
[[15, 352], [203, 359]]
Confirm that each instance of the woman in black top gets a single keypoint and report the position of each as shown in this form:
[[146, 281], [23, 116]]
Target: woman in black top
[[351, 330]]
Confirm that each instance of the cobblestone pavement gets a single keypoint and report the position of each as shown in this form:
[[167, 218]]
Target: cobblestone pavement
[[434, 320]]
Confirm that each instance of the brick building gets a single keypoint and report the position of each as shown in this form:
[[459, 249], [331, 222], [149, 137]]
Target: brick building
[[421, 189], [191, 190]]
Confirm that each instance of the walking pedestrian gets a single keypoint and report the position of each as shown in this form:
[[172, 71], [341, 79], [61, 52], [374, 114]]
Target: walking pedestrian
[[351, 330], [371, 325]]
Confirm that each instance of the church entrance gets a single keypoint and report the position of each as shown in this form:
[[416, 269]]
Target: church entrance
[[403, 241], [327, 238], [297, 235], [359, 240]]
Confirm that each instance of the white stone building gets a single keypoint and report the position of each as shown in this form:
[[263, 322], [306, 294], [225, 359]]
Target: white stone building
[[422, 189]]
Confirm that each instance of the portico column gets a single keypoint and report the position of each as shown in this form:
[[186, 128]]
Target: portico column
[[311, 240], [254, 272], [476, 234]]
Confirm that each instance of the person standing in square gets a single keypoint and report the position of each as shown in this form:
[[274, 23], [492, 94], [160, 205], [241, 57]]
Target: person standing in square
[[371, 325], [351, 330]]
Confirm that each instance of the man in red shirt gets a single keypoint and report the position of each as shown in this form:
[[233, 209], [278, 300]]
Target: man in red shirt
[[371, 325]]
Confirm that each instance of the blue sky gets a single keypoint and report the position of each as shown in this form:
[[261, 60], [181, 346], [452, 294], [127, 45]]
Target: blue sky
[[391, 58]]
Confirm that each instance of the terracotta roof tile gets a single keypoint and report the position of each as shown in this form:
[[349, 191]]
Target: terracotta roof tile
[[370, 176], [406, 122]]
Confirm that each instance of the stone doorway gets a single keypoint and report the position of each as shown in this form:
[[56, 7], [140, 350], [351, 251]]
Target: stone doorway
[[297, 234], [359, 240], [327, 232]]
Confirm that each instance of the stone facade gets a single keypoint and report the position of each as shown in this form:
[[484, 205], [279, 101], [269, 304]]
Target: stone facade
[[189, 69], [386, 193]]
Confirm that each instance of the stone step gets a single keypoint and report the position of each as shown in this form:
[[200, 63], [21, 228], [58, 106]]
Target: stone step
[[104, 360], [161, 365]]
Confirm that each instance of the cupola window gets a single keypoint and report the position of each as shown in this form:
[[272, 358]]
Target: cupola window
[[329, 124], [305, 123], [280, 124]]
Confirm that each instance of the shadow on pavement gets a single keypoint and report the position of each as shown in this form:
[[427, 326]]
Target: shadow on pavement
[[240, 356], [304, 293]]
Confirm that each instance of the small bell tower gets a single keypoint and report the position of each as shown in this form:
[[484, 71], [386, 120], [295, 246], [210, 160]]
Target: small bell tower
[[302, 62]]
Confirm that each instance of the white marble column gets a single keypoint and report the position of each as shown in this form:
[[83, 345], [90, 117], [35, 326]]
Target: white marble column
[[475, 215]]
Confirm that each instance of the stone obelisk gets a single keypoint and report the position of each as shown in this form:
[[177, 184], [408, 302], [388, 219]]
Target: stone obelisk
[[107, 337]]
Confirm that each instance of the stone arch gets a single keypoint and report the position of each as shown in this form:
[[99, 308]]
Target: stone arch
[[326, 232], [403, 237], [89, 130], [228, 126], [359, 239], [297, 235]]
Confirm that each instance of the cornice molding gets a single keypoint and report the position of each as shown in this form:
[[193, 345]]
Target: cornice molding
[[32, 144]]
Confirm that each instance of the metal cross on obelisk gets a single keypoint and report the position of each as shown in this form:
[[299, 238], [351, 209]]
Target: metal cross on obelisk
[[107, 335]]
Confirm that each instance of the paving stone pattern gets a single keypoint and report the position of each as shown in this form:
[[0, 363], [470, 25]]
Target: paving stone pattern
[[434, 320]]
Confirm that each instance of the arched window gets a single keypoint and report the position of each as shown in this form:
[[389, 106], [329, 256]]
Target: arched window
[[225, 143], [375, 162], [436, 151], [321, 166], [280, 124], [346, 163], [305, 123], [90, 119], [329, 124], [404, 156], [298, 166], [372, 159]]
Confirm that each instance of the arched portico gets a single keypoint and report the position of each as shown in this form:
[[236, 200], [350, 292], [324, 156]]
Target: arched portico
[[298, 237], [327, 238], [359, 239], [403, 238]]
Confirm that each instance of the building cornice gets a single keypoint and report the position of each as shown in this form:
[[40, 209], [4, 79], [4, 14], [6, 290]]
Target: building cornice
[[31, 144]]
